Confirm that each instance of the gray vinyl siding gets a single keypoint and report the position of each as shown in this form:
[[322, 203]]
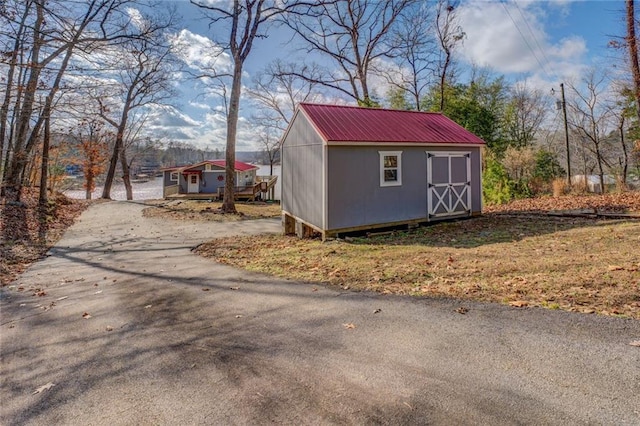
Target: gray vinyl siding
[[181, 181], [302, 172], [209, 182], [355, 197]]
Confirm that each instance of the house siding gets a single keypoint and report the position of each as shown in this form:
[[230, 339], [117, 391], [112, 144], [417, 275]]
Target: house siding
[[302, 172], [209, 183], [356, 199], [182, 183]]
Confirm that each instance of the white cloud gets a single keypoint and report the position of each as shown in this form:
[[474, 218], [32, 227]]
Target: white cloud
[[200, 53], [511, 38], [200, 105], [136, 17]]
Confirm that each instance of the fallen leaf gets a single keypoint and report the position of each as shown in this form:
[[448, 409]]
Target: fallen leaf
[[98, 292], [462, 310], [234, 288], [519, 303], [109, 328], [86, 315], [377, 311], [635, 343], [349, 326], [40, 293], [62, 298], [148, 306], [43, 388], [612, 268], [238, 316], [314, 289], [206, 289]]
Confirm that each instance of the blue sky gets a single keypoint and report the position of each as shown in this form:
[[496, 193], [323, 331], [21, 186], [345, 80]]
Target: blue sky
[[542, 42]]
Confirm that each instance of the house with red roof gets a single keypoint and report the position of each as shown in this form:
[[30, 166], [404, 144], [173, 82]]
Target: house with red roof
[[206, 179], [347, 169]]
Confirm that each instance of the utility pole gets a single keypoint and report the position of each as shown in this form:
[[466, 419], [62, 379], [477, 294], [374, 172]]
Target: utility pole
[[566, 134]]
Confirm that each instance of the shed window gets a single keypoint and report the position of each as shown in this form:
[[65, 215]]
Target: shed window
[[173, 177], [207, 167], [390, 168]]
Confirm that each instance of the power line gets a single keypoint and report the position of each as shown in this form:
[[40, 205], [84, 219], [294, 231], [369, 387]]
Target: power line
[[540, 49], [526, 41]]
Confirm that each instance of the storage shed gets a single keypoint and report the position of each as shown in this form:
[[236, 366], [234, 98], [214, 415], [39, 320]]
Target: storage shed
[[347, 169]]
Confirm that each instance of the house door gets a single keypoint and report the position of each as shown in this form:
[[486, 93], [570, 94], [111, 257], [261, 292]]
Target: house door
[[193, 184], [448, 184]]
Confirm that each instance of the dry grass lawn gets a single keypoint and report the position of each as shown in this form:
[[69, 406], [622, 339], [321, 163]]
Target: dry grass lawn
[[574, 264], [203, 210]]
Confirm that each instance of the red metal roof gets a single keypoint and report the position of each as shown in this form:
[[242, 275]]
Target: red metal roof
[[239, 165], [339, 123]]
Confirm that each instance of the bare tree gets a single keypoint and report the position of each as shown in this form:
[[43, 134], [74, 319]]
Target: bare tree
[[525, 114], [416, 56], [48, 34], [450, 35], [144, 80], [245, 19], [276, 91], [592, 117], [353, 34], [270, 143]]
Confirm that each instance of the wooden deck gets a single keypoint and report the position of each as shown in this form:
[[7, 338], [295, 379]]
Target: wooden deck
[[264, 185]]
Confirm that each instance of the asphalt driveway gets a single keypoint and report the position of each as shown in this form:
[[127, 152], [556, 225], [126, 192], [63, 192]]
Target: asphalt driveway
[[122, 324]]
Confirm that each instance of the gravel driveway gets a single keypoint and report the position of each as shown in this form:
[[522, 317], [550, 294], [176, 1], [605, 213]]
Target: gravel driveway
[[123, 325]]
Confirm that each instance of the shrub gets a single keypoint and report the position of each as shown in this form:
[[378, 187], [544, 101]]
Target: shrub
[[496, 185]]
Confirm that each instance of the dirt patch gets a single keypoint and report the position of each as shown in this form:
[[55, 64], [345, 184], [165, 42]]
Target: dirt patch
[[573, 264], [27, 231], [209, 211]]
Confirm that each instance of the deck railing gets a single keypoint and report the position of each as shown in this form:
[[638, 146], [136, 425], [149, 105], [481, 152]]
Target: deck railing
[[170, 190], [263, 184]]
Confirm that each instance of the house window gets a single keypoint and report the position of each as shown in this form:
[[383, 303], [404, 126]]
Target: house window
[[173, 177], [207, 167], [390, 168]]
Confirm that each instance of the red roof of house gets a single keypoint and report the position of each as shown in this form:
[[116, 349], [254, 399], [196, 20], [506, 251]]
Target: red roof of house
[[339, 123], [239, 165]]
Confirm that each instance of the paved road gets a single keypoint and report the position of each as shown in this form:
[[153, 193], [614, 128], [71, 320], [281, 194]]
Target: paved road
[[176, 339]]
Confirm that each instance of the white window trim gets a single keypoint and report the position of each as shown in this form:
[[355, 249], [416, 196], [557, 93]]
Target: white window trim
[[173, 176], [398, 154]]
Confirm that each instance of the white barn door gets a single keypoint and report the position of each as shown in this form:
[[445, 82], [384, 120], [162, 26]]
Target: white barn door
[[448, 184]]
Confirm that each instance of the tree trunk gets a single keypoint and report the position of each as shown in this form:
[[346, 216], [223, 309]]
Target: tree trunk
[[18, 162], [113, 163], [89, 185], [126, 174], [443, 79], [4, 110], [625, 159], [632, 44], [44, 168], [229, 205]]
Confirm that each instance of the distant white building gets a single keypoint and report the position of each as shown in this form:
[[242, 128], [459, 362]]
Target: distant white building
[[593, 182]]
